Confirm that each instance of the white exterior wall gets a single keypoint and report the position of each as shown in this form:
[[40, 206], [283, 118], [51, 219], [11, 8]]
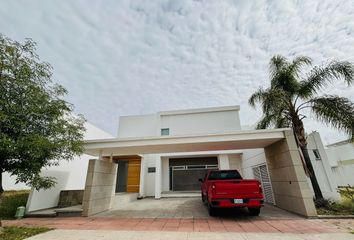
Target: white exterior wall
[[235, 162], [138, 126], [188, 122], [76, 168], [185, 122], [324, 174], [150, 177], [341, 160], [201, 123], [250, 159], [71, 175]]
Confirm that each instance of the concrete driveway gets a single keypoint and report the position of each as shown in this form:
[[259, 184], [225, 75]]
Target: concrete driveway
[[191, 207]]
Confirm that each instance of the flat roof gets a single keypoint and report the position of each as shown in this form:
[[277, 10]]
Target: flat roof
[[200, 110], [188, 111], [186, 143]]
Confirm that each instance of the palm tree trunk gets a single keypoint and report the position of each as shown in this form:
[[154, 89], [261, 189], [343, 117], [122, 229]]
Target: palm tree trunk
[[314, 182], [1, 192], [300, 134]]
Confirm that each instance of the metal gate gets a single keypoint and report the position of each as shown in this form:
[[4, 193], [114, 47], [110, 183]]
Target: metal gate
[[261, 173]]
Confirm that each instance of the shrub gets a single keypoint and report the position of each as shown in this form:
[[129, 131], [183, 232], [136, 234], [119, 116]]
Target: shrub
[[10, 201], [322, 203], [328, 207], [347, 192]]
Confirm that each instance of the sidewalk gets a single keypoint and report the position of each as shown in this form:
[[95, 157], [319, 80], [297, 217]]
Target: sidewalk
[[295, 226], [153, 235]]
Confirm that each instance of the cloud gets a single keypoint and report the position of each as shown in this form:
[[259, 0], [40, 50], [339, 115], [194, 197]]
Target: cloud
[[135, 57]]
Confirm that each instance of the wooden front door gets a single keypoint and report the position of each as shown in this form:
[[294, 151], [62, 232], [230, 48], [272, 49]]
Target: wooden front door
[[128, 176], [133, 180]]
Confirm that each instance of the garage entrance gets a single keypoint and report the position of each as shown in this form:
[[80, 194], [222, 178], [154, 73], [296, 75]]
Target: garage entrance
[[185, 172]]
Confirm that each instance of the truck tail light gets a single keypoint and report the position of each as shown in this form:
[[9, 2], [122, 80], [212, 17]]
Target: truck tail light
[[260, 187], [213, 188]]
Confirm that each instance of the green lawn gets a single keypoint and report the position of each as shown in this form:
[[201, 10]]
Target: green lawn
[[19, 233], [10, 201]]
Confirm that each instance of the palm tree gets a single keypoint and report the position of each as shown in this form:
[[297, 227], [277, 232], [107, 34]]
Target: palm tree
[[292, 92]]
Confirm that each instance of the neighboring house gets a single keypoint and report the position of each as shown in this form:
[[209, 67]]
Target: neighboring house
[[333, 164], [71, 175], [162, 154], [341, 161]]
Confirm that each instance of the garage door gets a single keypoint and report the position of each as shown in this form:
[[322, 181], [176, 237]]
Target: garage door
[[185, 172], [185, 178], [261, 173]]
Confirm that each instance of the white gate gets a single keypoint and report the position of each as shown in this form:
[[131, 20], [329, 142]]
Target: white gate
[[261, 173]]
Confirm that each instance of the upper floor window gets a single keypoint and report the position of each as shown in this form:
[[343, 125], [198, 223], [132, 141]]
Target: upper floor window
[[165, 131], [317, 154]]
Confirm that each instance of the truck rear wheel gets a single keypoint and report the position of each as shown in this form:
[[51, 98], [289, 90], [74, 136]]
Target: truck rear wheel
[[211, 210], [254, 211], [203, 198]]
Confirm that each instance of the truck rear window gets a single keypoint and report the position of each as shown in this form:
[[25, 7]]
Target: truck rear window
[[224, 175]]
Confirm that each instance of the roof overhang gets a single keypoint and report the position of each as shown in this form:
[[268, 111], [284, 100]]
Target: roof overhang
[[173, 144]]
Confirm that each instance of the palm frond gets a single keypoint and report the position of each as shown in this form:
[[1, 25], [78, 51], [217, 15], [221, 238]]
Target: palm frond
[[266, 122], [285, 74], [335, 111], [277, 120], [276, 63], [272, 100], [257, 97], [298, 63], [282, 122], [319, 77]]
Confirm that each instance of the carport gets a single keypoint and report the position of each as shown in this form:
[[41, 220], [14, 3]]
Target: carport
[[291, 190]]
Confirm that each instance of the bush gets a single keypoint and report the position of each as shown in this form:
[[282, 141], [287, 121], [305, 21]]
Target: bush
[[328, 207], [347, 192], [10, 201], [322, 203]]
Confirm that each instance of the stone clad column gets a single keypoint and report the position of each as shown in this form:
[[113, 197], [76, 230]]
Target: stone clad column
[[99, 187], [290, 187], [158, 177]]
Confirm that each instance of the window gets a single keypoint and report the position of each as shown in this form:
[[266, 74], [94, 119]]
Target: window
[[317, 154], [224, 175], [165, 131]]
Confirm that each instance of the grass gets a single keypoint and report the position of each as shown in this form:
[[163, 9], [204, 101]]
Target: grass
[[19, 233], [10, 201]]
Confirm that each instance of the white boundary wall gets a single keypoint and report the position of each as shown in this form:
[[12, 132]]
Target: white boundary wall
[[71, 175]]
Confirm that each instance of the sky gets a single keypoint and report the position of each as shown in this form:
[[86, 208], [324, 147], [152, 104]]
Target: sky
[[139, 57]]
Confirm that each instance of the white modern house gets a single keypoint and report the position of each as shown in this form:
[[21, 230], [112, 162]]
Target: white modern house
[[164, 154]]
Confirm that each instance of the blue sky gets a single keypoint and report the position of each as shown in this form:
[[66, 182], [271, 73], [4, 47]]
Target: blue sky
[[137, 57]]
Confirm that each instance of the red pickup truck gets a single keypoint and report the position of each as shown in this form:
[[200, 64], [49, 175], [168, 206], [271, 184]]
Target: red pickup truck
[[227, 189]]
